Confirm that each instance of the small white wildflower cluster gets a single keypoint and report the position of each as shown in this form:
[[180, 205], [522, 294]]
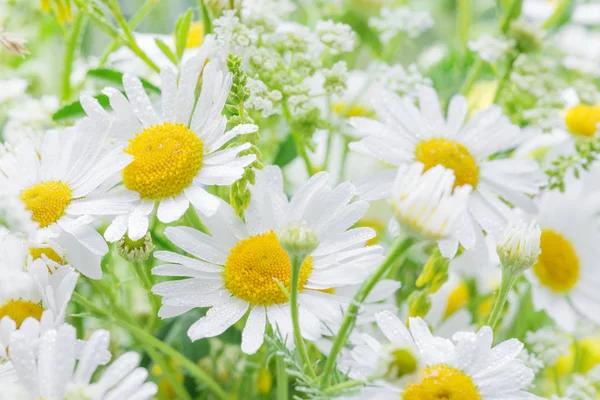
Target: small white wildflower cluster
[[393, 21], [337, 37], [261, 99], [232, 35], [336, 78], [403, 81], [490, 48], [548, 344]]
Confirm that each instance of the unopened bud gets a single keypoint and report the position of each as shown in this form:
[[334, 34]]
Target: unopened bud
[[135, 251], [528, 36], [299, 240], [519, 246], [435, 272]]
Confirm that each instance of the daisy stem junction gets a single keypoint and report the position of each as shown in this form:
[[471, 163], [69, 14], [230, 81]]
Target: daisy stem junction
[[149, 341], [300, 345], [400, 246]]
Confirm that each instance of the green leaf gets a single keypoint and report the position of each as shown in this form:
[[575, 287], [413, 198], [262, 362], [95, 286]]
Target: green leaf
[[75, 110], [286, 153], [166, 50], [116, 78], [182, 28]]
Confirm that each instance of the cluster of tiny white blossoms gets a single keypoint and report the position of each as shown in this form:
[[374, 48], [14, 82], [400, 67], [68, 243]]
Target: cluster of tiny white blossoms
[[277, 199]]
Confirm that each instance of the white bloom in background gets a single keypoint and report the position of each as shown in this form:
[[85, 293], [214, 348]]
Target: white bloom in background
[[29, 119], [268, 13], [548, 344], [417, 365], [232, 36], [519, 245], [337, 37], [64, 186], [398, 79], [240, 266], [393, 21], [12, 90], [491, 49], [50, 369], [407, 134], [425, 203], [565, 278], [541, 10], [174, 154], [432, 55], [581, 48], [261, 99]]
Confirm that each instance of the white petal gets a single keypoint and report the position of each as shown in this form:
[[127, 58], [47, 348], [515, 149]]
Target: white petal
[[254, 331]]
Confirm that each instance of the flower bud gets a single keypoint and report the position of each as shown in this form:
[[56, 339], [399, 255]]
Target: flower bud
[[419, 304], [299, 240], [519, 246], [135, 251], [435, 272]]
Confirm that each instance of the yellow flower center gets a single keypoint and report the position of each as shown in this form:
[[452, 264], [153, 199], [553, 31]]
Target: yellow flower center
[[195, 35], [457, 299], [351, 110], [256, 264], [37, 252], [558, 264], [451, 155], [167, 157], [20, 310], [442, 382], [583, 119], [47, 201]]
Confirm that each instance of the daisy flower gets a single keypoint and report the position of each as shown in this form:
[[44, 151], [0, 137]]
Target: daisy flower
[[240, 267], [407, 134], [565, 279], [33, 295], [63, 186], [415, 365], [50, 370], [174, 154]]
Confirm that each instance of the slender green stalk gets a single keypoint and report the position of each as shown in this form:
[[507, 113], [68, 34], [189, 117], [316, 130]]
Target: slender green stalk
[[169, 373], [464, 21], [194, 220], [142, 272], [472, 76], [349, 384], [137, 18], [282, 379], [505, 78], [69, 56], [508, 280], [399, 248], [304, 154], [147, 340], [559, 11], [300, 345], [130, 38], [206, 21]]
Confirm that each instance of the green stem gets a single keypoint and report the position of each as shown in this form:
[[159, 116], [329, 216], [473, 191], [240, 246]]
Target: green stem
[[508, 280], [194, 220], [145, 279], [282, 379], [464, 22], [349, 384], [300, 345], [137, 18], [558, 13], [206, 21], [169, 373], [147, 340], [505, 78], [512, 11], [399, 248], [130, 38], [472, 76], [69, 56]]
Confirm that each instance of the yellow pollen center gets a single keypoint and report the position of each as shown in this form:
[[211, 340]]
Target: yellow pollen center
[[442, 382], [195, 35], [355, 110], [583, 119], [254, 265], [451, 155], [558, 264], [167, 157], [37, 252], [47, 201], [20, 310], [457, 299]]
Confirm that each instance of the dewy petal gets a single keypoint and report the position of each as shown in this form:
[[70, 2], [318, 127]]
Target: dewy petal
[[218, 319], [254, 331], [393, 328]]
